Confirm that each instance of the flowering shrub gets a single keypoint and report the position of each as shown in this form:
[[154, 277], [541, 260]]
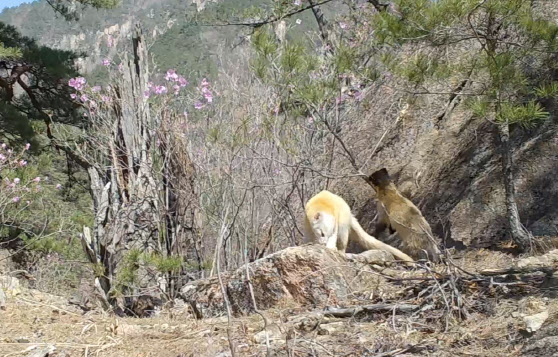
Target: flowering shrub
[[172, 83], [19, 185]]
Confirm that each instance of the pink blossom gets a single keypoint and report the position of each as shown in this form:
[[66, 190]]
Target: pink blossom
[[16, 180], [37, 179], [204, 83], [106, 62], [198, 105], [92, 104], [77, 83], [58, 186], [182, 81], [27, 146], [84, 98], [171, 75], [176, 88], [96, 89], [22, 163], [343, 25], [208, 96], [105, 99], [2, 157], [146, 93], [160, 90], [73, 96], [15, 199], [297, 2]]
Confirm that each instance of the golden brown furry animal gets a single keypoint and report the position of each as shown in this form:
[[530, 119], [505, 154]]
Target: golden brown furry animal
[[400, 214], [329, 221]]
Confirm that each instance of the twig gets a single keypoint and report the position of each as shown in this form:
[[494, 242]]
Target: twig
[[223, 290], [351, 311]]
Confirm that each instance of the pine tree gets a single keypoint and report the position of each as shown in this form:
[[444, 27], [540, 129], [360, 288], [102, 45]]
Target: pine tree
[[507, 45]]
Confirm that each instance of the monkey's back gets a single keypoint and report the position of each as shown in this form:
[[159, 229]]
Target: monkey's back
[[414, 231], [328, 202]]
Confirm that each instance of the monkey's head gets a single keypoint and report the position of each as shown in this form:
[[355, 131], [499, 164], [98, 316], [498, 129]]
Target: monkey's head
[[380, 178]]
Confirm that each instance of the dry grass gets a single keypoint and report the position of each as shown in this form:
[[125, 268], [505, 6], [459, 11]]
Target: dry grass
[[36, 319]]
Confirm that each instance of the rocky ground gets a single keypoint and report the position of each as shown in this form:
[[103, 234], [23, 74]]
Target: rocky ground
[[482, 304]]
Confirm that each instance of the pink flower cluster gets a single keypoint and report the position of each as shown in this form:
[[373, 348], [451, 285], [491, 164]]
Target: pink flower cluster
[[106, 62], [14, 190], [77, 83], [179, 81], [171, 76], [206, 92]]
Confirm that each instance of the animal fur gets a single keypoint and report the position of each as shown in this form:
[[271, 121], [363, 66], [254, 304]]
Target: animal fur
[[399, 214], [329, 221]]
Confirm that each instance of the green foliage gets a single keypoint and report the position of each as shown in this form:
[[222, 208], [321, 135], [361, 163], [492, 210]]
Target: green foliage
[[69, 11], [479, 107], [264, 43], [509, 70], [9, 52], [292, 58], [547, 90], [127, 273], [345, 59], [168, 264], [526, 115]]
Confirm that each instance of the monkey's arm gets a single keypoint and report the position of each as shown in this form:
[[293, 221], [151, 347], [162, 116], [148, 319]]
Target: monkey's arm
[[308, 233], [382, 222]]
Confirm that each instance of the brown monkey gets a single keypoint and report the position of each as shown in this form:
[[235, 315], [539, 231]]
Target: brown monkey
[[400, 214]]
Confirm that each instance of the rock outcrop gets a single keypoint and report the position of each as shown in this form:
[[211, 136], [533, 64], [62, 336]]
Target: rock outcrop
[[309, 275]]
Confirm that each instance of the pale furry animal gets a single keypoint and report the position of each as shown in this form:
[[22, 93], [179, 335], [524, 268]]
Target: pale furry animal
[[400, 214], [329, 221]]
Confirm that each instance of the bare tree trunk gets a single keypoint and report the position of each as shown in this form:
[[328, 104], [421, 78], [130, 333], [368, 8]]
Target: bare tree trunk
[[126, 189], [516, 231]]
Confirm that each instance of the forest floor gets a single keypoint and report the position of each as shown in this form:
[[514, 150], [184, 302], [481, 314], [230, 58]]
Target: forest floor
[[33, 323]]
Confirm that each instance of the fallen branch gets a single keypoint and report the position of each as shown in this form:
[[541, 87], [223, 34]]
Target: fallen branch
[[351, 311]]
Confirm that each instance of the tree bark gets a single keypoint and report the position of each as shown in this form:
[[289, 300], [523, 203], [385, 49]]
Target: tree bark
[[516, 231]]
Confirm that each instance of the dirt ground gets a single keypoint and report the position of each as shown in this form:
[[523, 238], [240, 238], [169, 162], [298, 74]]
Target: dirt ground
[[33, 322]]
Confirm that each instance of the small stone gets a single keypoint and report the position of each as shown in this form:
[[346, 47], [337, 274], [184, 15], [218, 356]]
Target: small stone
[[534, 322]]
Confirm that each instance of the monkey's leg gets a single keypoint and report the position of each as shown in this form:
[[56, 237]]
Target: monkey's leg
[[343, 238], [332, 242], [382, 222], [332, 239], [309, 236]]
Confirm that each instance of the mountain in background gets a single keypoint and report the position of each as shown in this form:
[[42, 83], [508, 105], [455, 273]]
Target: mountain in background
[[179, 33]]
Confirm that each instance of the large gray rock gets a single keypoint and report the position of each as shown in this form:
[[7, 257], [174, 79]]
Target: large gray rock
[[309, 275]]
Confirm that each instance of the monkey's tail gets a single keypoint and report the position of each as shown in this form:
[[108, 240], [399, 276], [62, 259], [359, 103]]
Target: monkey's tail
[[368, 242]]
